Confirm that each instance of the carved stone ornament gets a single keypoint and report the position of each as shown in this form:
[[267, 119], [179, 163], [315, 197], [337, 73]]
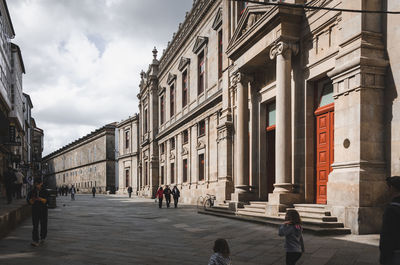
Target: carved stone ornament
[[183, 62], [171, 156], [184, 151], [240, 78], [200, 145], [282, 47], [200, 42], [161, 90], [251, 20], [171, 78], [218, 19]]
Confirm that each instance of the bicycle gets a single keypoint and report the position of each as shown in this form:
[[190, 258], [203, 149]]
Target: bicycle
[[209, 201]]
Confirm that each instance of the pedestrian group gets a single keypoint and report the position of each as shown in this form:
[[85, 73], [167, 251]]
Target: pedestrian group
[[167, 193]]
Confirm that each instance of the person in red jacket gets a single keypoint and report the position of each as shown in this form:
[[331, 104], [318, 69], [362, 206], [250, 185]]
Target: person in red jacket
[[159, 195]]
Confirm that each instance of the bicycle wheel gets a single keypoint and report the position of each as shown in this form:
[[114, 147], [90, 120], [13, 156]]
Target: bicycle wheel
[[200, 202], [208, 203]]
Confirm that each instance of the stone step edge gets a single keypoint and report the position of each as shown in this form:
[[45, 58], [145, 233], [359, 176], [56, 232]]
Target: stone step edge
[[276, 222]]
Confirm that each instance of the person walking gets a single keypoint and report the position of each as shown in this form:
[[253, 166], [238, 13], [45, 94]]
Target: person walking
[[176, 194], [10, 180], [389, 244], [293, 232], [94, 192], [167, 193], [221, 253], [38, 198], [73, 191], [159, 195], [130, 191], [20, 181]]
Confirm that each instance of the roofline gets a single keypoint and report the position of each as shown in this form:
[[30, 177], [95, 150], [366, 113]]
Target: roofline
[[13, 45], [82, 139], [9, 17], [29, 99], [135, 117]]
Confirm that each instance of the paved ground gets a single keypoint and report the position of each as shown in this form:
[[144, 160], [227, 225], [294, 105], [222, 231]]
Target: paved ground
[[116, 230]]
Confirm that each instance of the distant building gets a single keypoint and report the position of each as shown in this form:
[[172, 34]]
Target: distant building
[[85, 163], [128, 154]]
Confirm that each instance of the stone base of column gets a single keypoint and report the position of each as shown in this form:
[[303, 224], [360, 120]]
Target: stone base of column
[[278, 202], [242, 196]]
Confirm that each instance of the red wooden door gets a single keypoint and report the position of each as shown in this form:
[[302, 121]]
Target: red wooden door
[[324, 144]]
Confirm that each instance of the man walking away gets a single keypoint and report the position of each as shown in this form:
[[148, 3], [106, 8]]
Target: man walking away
[[94, 192], [389, 244], [10, 183], [38, 199], [167, 193], [130, 191], [176, 194], [73, 191]]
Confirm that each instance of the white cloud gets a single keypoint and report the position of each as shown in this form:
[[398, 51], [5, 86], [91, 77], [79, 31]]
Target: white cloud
[[83, 58]]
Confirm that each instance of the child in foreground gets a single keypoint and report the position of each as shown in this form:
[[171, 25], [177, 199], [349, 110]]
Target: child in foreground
[[293, 233], [221, 253]]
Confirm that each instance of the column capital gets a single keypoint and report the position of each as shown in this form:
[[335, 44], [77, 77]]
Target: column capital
[[242, 78], [282, 47]]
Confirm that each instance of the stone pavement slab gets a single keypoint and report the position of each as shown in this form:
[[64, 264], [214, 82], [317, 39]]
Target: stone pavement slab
[[116, 230]]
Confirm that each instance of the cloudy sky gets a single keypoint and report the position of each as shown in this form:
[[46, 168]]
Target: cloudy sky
[[83, 58]]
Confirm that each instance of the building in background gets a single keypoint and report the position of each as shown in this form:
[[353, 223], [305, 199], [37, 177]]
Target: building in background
[[85, 163], [37, 150], [128, 155], [27, 142]]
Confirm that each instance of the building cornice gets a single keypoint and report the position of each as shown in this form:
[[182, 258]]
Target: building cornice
[[192, 20], [91, 136], [134, 118]]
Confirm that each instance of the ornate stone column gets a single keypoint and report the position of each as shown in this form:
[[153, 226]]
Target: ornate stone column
[[242, 138], [282, 51], [282, 196]]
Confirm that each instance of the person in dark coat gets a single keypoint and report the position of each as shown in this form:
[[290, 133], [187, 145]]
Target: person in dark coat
[[130, 191], [94, 192], [389, 244], [176, 194], [159, 195], [38, 198], [167, 193], [10, 180]]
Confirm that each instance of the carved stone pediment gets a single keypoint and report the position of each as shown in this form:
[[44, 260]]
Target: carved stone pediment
[[200, 145], [200, 42], [218, 19], [171, 78], [183, 62], [161, 90], [249, 19], [184, 151]]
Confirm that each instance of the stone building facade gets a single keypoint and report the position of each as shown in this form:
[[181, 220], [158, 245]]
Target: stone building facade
[[85, 163], [275, 103], [128, 155]]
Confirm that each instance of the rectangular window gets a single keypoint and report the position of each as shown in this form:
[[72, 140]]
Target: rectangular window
[[162, 148], [172, 143], [201, 167], [271, 117], [145, 121], [162, 109], [145, 174], [126, 139], [184, 88], [185, 170], [202, 128], [172, 100], [162, 175], [185, 136], [220, 53], [201, 70], [127, 177], [172, 173]]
